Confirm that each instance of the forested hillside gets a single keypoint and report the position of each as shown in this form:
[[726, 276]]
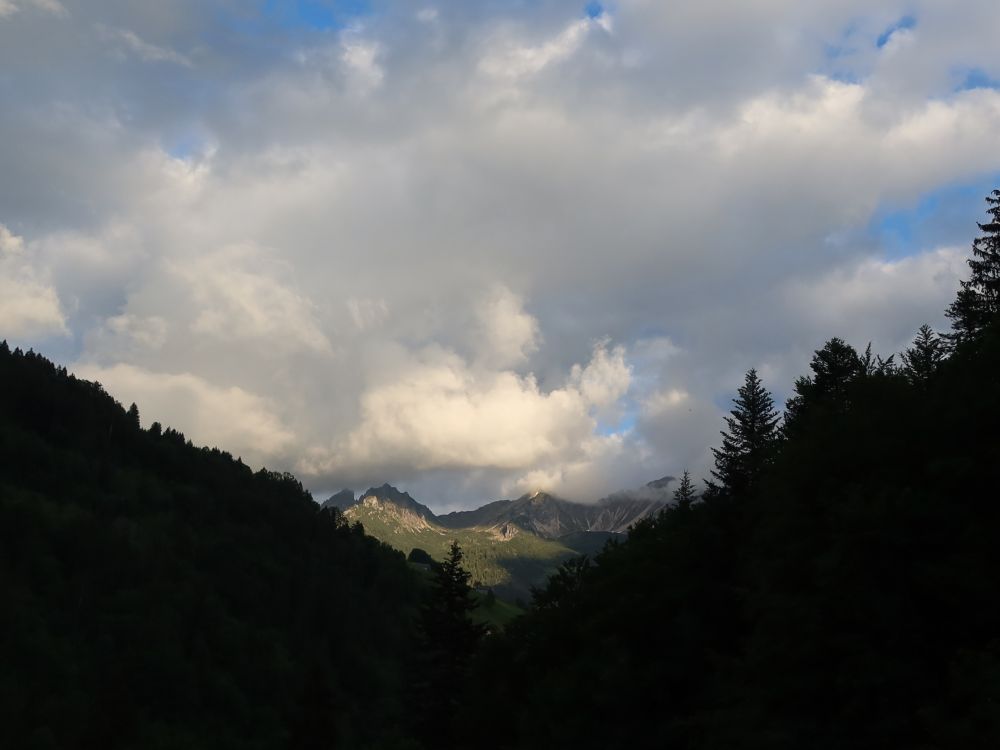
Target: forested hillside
[[159, 595]]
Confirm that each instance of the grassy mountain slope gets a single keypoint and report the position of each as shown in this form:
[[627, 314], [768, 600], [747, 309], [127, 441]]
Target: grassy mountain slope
[[505, 558], [510, 545], [496, 614]]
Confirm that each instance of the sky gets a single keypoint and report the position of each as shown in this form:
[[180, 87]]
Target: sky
[[476, 249]]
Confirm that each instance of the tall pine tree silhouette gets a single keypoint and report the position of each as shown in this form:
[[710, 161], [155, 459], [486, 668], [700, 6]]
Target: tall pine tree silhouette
[[978, 301], [748, 445], [684, 494], [924, 357], [449, 638]]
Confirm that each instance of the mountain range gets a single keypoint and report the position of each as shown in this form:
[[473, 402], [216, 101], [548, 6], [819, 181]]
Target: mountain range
[[509, 545]]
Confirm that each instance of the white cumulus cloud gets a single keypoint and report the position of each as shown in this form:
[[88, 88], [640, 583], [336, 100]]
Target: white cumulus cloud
[[434, 410], [29, 305]]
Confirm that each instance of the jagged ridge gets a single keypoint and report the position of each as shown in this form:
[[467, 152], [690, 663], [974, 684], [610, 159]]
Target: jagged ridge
[[510, 545]]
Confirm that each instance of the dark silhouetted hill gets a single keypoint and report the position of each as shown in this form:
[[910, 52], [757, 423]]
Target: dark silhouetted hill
[[157, 594]]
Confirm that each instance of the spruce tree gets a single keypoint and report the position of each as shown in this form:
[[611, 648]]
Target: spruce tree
[[449, 638], [978, 301], [834, 367], [924, 357], [749, 443], [874, 365], [684, 494]]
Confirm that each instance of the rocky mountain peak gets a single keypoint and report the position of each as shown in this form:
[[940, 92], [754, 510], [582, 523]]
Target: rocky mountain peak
[[387, 494], [538, 512], [661, 483], [342, 500]]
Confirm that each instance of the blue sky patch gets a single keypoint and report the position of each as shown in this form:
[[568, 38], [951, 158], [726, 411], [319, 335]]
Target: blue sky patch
[[315, 14], [975, 78], [625, 424], [944, 216], [593, 10], [841, 55], [185, 145], [906, 22]]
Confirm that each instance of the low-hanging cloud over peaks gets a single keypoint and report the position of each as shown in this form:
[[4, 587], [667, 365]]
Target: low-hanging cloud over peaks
[[383, 248], [434, 410]]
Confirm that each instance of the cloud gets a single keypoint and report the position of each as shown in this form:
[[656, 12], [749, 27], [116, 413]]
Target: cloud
[[506, 334], [29, 306], [397, 242], [875, 297], [237, 297], [511, 60], [361, 57], [436, 410], [51, 7], [427, 15], [54, 7], [129, 42], [125, 336], [228, 417]]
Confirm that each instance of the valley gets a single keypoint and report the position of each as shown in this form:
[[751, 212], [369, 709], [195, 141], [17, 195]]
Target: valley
[[510, 545]]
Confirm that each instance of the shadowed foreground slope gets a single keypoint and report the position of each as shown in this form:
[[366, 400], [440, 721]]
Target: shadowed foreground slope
[[847, 598], [161, 595]]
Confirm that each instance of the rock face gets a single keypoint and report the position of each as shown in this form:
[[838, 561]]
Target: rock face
[[552, 517], [389, 495], [386, 495], [618, 515], [505, 531], [510, 545], [389, 513], [661, 483], [539, 513], [341, 500], [486, 515], [549, 516]]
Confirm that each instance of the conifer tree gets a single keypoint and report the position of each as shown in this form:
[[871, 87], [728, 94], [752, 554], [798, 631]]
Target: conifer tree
[[873, 364], [924, 357], [133, 414], [449, 639], [978, 301], [452, 599], [834, 367], [749, 444], [684, 494]]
